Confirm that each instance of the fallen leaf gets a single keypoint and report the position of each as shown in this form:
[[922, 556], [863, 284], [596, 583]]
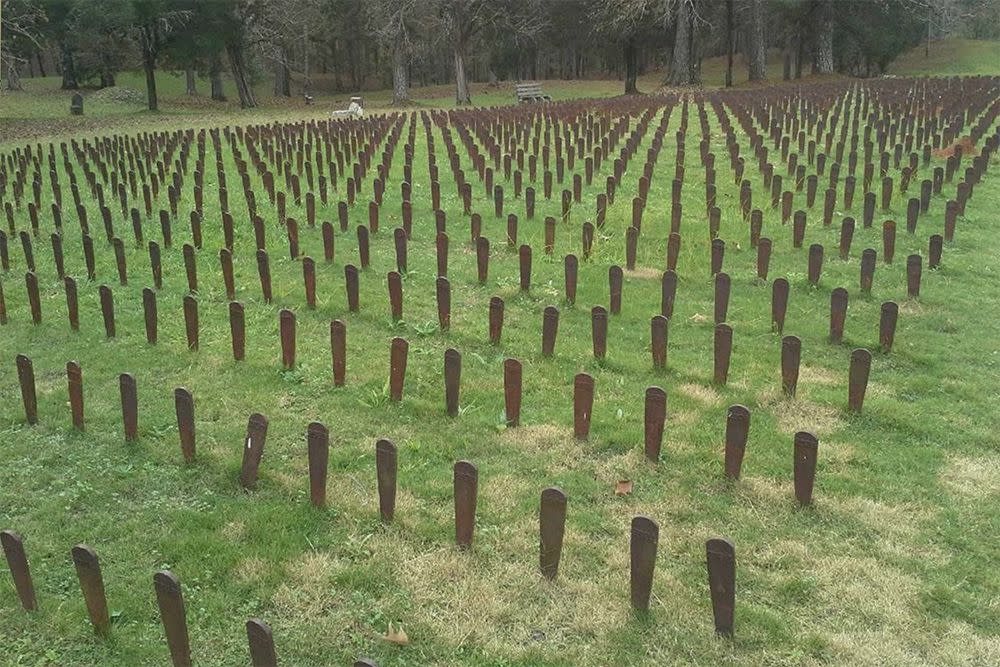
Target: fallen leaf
[[623, 487], [396, 636]]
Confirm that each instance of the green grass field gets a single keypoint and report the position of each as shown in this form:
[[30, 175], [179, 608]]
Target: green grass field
[[893, 564]]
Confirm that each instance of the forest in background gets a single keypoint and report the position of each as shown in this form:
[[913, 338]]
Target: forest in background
[[308, 46]]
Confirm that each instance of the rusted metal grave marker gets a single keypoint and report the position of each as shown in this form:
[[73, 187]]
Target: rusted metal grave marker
[[385, 468], [184, 408], [737, 432], [721, 559], [583, 405], [253, 450], [88, 571], [645, 536], [804, 466], [17, 561], [466, 483], [551, 527], [173, 616]]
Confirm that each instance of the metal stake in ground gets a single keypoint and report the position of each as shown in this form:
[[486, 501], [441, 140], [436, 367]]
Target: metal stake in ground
[[838, 314], [385, 469], [318, 445], [184, 407], [722, 288], [571, 268], [645, 536], [721, 558], [599, 331], [149, 311], [668, 293], [397, 368], [17, 561], [512, 374], [658, 338], [286, 327], [253, 450], [861, 363], [452, 380], [551, 527], [804, 466], [26, 378], [550, 327], [172, 614], [496, 319], [791, 354], [443, 294], [583, 405], [130, 406], [779, 304], [237, 328], [338, 351], [261, 643], [466, 484], [654, 417], [723, 351], [74, 377], [887, 325], [737, 432], [88, 571]]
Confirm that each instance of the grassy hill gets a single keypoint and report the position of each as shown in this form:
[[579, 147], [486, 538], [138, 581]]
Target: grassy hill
[[949, 57]]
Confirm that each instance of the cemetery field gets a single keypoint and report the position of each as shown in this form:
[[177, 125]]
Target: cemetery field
[[823, 341], [41, 110]]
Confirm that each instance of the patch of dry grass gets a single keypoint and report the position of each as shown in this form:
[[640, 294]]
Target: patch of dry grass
[[972, 477], [798, 414], [701, 393]]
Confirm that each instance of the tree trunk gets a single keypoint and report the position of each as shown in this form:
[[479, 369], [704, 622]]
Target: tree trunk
[[730, 42], [352, 60], [41, 63], [282, 83], [68, 68], [13, 76], [631, 69], [694, 45], [400, 75], [461, 83], [823, 39], [190, 83], [307, 82], [215, 77], [800, 52], [756, 47], [150, 66], [680, 63], [927, 42], [235, 53]]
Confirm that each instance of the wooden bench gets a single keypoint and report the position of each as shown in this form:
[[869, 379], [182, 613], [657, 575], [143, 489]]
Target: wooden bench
[[531, 92]]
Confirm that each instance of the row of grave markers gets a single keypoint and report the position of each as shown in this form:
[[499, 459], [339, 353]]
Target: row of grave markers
[[655, 415], [644, 541]]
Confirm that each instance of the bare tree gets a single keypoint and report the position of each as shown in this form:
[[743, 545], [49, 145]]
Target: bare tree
[[822, 36], [756, 42], [241, 29], [730, 40], [19, 25], [460, 22], [154, 22], [286, 33], [631, 22], [393, 23]]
